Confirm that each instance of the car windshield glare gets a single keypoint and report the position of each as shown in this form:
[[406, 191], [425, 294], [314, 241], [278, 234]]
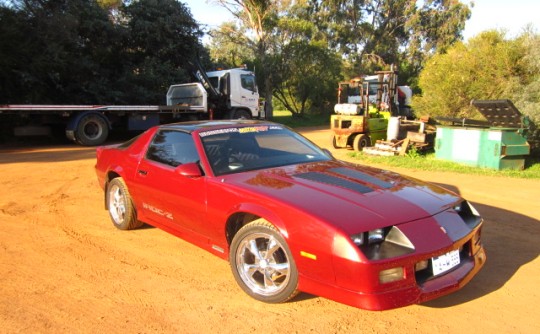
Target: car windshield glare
[[233, 150]]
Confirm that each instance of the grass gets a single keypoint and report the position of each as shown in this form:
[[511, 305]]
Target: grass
[[428, 162], [413, 160], [286, 118]]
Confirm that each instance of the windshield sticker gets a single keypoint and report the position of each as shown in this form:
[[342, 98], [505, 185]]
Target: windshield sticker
[[261, 128], [249, 129], [218, 132]]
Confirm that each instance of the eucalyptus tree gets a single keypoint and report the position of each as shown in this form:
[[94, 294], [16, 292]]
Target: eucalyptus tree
[[257, 19], [374, 33]]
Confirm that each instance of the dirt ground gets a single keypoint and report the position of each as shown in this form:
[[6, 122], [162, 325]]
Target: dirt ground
[[64, 268]]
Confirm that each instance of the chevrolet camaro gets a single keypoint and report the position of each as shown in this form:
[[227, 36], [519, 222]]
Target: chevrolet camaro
[[289, 217]]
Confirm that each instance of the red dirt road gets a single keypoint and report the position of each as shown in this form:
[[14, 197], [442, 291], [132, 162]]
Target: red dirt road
[[64, 268]]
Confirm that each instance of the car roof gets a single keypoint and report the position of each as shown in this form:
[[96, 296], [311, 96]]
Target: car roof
[[212, 125]]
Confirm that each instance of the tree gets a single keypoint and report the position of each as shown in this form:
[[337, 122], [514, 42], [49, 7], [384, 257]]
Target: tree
[[371, 34], [306, 71], [258, 19], [89, 52], [307, 77], [61, 52], [489, 66], [228, 47], [527, 94], [163, 38]]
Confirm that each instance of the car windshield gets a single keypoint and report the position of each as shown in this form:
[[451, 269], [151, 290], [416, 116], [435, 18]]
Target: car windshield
[[233, 150]]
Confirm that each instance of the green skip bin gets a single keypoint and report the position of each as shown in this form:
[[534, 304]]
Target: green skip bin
[[501, 145]]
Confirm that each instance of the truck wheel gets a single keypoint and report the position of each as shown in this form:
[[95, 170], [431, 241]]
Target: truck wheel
[[241, 114], [361, 141], [92, 129]]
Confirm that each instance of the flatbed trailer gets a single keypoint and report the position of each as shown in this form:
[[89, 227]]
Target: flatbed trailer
[[90, 125], [223, 94]]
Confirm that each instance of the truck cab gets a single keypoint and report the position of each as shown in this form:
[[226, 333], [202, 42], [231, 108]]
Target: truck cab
[[232, 94], [240, 88]]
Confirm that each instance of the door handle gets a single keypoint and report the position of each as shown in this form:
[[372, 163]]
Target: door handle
[[142, 172]]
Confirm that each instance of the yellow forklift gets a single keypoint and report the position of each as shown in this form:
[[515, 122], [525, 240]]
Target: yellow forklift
[[364, 108]]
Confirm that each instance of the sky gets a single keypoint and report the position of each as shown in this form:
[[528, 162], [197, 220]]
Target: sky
[[509, 15]]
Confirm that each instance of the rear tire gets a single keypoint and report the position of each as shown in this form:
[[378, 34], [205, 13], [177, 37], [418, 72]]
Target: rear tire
[[92, 130], [120, 205]]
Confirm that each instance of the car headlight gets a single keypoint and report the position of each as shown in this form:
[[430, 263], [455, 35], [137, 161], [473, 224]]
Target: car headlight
[[369, 238], [383, 243], [468, 213]]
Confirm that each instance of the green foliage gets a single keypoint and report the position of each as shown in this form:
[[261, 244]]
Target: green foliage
[[229, 48], [291, 40], [526, 96], [90, 52], [306, 77], [489, 66], [372, 34], [162, 38], [296, 121]]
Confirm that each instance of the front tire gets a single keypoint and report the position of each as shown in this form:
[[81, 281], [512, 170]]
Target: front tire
[[241, 114], [120, 205], [360, 142], [262, 263]]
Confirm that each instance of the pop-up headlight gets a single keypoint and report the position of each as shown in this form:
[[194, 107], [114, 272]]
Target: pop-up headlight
[[383, 243]]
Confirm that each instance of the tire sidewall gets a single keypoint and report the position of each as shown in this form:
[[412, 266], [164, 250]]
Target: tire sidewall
[[97, 120]]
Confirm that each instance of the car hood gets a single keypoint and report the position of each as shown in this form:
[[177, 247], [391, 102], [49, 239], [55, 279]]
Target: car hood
[[348, 196]]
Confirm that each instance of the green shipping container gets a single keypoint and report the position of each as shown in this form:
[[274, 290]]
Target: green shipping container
[[497, 148]]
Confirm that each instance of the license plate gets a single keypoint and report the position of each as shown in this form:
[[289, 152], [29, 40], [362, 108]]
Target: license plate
[[445, 262]]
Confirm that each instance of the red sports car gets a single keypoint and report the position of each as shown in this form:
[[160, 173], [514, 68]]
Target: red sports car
[[289, 217]]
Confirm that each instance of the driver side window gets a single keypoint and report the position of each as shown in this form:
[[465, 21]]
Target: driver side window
[[172, 148]]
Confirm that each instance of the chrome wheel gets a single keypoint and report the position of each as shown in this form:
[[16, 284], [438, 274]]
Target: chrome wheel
[[120, 206], [117, 204], [262, 263]]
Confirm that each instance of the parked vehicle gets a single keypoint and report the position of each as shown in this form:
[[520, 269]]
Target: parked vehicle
[[216, 95], [364, 108], [289, 217]]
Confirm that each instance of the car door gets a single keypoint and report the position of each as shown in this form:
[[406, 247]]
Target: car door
[[168, 198]]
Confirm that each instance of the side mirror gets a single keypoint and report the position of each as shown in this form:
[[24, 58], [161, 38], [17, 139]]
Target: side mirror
[[191, 169]]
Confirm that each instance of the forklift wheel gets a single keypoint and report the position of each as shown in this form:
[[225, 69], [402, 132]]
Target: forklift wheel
[[361, 141], [334, 142]]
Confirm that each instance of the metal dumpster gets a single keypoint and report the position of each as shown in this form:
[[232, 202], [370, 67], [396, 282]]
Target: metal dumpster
[[502, 144]]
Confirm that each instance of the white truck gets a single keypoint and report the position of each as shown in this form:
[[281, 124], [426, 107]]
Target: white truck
[[223, 94]]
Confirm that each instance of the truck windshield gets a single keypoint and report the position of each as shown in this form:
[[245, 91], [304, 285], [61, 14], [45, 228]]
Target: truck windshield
[[233, 150]]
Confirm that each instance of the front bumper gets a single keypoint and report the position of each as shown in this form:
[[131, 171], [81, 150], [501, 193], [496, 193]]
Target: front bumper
[[358, 283]]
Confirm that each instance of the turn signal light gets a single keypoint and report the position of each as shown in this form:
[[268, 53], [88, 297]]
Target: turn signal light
[[391, 275]]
